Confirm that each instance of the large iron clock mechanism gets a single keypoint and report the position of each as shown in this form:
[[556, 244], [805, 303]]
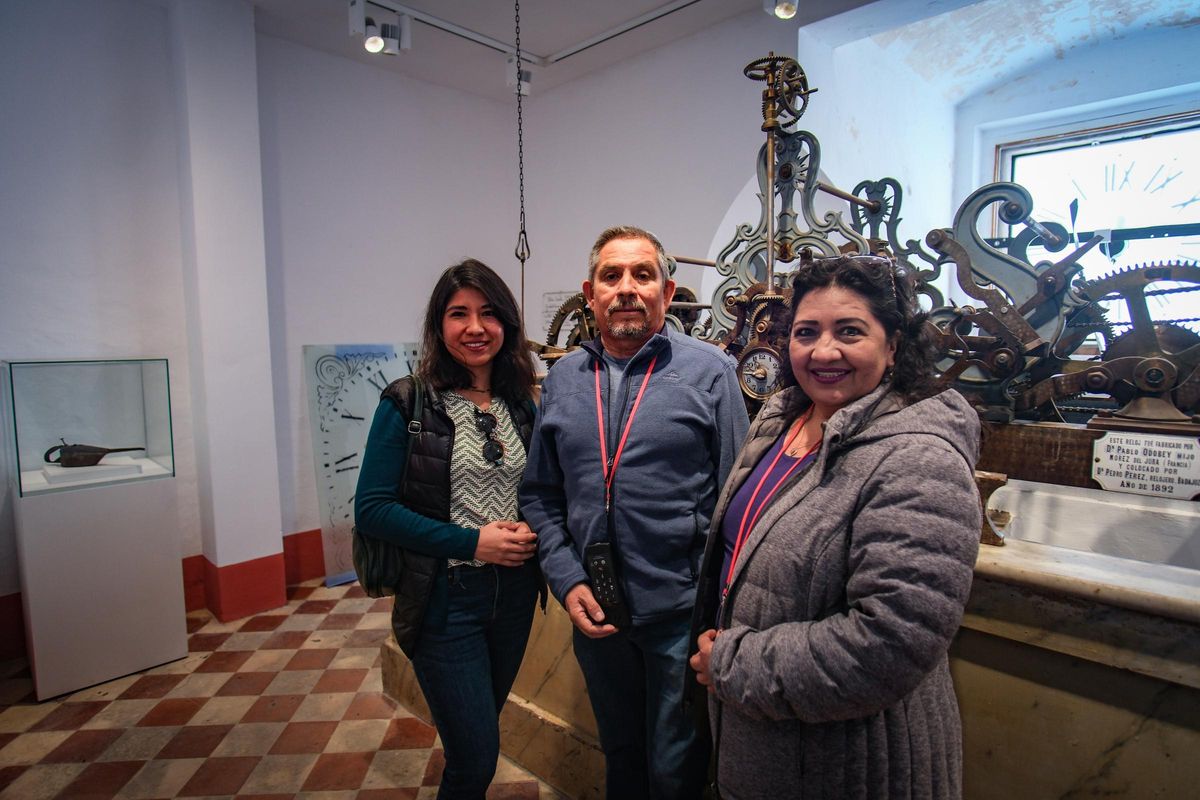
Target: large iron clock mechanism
[[759, 336]]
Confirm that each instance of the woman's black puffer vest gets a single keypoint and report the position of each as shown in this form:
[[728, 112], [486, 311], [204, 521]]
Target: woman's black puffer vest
[[426, 490]]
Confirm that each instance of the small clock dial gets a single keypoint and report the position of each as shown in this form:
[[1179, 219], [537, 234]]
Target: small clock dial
[[759, 371]]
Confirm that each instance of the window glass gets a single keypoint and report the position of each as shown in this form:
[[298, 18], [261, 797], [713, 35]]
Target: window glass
[[1137, 186]]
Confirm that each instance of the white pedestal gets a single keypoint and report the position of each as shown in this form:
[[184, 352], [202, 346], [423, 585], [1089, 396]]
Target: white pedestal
[[101, 582]]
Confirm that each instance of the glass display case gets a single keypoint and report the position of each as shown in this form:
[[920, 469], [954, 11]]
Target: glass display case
[[85, 445], [86, 423]]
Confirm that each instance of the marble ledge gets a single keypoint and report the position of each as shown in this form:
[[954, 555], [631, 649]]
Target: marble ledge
[[1153, 589], [1120, 613]]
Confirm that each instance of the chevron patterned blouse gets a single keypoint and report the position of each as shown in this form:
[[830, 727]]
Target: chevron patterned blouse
[[481, 491]]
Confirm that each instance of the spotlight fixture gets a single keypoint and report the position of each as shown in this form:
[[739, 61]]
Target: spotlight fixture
[[783, 9], [372, 40]]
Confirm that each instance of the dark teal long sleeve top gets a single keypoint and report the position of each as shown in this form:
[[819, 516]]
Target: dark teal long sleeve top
[[378, 511]]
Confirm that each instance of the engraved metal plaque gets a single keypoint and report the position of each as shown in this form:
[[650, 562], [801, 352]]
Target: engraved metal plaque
[[1147, 463]]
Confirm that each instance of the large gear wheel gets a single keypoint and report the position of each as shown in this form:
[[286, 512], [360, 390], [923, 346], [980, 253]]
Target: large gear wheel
[[582, 326], [786, 95], [1131, 285], [1150, 348], [1173, 340]]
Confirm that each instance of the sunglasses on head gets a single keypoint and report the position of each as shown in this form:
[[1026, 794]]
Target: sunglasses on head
[[493, 448]]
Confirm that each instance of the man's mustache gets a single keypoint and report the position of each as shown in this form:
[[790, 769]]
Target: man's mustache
[[636, 305]]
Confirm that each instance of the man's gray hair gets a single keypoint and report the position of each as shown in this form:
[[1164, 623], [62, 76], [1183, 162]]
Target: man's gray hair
[[628, 232]]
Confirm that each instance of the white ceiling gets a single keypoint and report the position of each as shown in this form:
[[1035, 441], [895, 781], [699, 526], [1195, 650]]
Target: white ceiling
[[547, 27], [974, 46], [958, 46]]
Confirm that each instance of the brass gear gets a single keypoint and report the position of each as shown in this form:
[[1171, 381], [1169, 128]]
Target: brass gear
[[1173, 340], [687, 317], [1148, 338], [575, 309], [1131, 285], [1081, 324]]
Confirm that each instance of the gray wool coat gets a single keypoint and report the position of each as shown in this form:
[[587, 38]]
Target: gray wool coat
[[830, 671]]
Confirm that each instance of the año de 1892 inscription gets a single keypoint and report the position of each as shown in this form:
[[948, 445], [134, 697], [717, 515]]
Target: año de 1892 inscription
[[1143, 463]]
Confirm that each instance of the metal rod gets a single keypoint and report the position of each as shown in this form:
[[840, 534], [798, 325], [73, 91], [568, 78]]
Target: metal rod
[[625, 27], [1048, 238], [689, 305], [697, 261], [858, 201], [771, 207], [1118, 235]]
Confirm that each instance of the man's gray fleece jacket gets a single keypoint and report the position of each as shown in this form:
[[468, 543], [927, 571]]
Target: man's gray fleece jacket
[[830, 674], [681, 446]]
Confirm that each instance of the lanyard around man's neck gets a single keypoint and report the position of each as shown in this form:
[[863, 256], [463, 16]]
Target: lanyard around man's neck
[[609, 469]]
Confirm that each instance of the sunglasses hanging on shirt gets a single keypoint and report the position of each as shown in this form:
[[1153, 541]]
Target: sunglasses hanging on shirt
[[493, 448]]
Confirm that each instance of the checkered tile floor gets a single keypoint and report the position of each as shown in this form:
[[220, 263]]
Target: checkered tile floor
[[286, 704]]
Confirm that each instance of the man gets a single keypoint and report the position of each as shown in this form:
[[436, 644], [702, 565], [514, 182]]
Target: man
[[635, 436]]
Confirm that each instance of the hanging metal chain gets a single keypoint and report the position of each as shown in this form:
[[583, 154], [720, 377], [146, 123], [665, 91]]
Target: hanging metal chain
[[522, 252]]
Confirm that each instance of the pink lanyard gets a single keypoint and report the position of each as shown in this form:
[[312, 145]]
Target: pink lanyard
[[751, 514], [610, 470]]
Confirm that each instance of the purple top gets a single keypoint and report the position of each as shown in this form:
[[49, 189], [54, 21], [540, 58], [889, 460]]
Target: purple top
[[738, 504]]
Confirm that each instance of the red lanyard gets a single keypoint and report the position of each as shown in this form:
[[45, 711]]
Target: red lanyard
[[609, 470], [751, 514]]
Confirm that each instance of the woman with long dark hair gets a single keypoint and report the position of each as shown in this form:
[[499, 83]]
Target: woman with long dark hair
[[841, 556], [465, 604]]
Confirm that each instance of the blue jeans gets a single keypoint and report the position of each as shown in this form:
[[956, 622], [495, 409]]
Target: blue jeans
[[466, 668], [635, 682]]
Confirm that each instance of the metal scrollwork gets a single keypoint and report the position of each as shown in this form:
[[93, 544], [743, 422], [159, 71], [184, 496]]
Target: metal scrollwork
[[1015, 351]]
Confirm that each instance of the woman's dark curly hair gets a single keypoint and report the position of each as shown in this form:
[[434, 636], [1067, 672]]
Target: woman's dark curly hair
[[512, 369], [889, 293]]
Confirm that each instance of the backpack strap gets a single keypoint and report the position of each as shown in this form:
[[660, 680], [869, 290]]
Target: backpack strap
[[414, 423]]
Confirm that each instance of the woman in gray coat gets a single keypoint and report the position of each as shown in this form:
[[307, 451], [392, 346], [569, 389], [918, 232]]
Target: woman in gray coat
[[841, 558]]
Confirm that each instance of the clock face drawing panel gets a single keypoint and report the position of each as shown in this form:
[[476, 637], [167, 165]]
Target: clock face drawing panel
[[345, 384]]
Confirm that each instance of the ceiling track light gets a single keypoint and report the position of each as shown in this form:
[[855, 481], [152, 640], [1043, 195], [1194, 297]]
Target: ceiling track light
[[372, 40], [384, 37], [782, 9]]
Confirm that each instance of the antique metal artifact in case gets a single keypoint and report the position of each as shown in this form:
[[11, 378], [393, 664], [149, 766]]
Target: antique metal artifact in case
[[72, 424]]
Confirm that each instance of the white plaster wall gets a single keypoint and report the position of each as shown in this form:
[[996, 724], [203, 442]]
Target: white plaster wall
[[876, 118], [225, 275], [89, 205], [372, 185], [668, 141], [665, 141]]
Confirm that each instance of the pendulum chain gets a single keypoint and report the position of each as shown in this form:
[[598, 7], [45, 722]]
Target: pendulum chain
[[522, 251]]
